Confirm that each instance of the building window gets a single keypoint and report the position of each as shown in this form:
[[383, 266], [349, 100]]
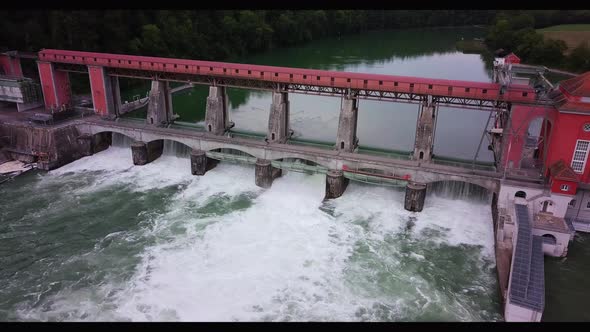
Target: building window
[[572, 203], [467, 89], [588, 205], [395, 83], [430, 86], [484, 91], [564, 187], [580, 155], [587, 127]]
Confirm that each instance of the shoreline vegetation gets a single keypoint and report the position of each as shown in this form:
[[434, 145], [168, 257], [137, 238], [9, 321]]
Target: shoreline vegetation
[[220, 35]]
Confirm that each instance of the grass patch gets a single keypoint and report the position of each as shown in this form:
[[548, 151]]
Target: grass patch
[[572, 34], [566, 27]]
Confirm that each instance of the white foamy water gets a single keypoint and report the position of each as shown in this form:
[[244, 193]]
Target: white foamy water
[[222, 249]]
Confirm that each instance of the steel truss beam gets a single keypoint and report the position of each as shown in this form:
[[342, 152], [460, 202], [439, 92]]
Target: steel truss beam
[[253, 84]]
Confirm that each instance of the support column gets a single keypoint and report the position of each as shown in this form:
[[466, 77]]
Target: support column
[[336, 184], [160, 104], [424, 143], [200, 163], [55, 84], [278, 121], [105, 92], [415, 195], [216, 115], [10, 64], [346, 139], [265, 173], [144, 153]]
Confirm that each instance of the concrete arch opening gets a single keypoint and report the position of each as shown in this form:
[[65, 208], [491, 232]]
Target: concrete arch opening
[[300, 165], [520, 194], [174, 148], [549, 238], [547, 206], [231, 155], [459, 190]]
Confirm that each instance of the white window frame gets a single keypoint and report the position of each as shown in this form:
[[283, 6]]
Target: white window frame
[[564, 187], [585, 156]]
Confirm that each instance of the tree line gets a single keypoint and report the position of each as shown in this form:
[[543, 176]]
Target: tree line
[[229, 34], [207, 34]]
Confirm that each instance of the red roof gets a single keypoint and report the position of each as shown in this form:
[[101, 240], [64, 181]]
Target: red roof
[[561, 171], [512, 58], [578, 86]]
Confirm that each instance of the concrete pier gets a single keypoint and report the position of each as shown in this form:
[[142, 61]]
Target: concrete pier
[[216, 114], [200, 163], [160, 105], [415, 195], [278, 120], [424, 144], [265, 173], [144, 153], [346, 139], [336, 184]]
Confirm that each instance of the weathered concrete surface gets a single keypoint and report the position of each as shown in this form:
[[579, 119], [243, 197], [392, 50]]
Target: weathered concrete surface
[[160, 104], [346, 139], [91, 144], [415, 196], [331, 159], [144, 153], [216, 114], [50, 147], [278, 120], [200, 163], [86, 144], [336, 184], [265, 174], [425, 133]]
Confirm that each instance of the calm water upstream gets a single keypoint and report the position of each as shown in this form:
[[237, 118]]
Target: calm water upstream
[[101, 239]]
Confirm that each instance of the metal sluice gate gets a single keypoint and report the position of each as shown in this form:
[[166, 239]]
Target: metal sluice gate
[[299, 167]]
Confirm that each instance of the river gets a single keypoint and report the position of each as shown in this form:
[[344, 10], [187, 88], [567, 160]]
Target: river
[[102, 240]]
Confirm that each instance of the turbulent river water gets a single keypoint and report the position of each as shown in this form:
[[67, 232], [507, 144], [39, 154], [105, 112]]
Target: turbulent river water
[[102, 240]]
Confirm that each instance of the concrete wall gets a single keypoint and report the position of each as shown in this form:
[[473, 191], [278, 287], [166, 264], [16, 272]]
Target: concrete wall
[[49, 147], [581, 207]]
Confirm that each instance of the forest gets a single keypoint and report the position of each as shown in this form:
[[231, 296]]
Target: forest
[[207, 34], [228, 34]]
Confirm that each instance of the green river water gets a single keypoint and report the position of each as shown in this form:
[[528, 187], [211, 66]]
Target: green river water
[[103, 240]]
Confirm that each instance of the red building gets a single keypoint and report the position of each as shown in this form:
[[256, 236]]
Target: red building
[[512, 58], [570, 143]]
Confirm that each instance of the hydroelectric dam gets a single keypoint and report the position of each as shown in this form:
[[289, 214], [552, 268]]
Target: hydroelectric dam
[[537, 182]]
